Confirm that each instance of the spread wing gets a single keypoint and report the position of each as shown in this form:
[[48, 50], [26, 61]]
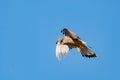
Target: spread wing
[[62, 50], [84, 49], [87, 52]]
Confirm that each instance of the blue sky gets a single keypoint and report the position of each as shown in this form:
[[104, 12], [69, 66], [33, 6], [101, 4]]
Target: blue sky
[[30, 28]]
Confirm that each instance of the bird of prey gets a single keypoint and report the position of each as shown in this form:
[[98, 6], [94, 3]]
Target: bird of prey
[[71, 40]]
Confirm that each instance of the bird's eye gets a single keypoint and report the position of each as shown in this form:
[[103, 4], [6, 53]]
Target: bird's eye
[[61, 41]]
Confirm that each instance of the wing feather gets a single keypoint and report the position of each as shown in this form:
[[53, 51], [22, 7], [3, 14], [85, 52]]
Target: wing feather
[[85, 50]]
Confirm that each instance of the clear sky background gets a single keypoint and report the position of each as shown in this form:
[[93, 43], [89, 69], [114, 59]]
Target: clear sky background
[[30, 28]]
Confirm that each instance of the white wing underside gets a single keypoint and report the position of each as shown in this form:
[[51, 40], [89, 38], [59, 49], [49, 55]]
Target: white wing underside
[[61, 50]]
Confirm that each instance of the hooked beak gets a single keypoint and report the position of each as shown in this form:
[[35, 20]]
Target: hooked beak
[[56, 42]]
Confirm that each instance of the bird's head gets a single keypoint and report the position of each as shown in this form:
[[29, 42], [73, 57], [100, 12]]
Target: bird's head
[[60, 40]]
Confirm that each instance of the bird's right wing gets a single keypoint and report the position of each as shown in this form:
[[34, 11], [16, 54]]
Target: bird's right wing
[[85, 50], [62, 50]]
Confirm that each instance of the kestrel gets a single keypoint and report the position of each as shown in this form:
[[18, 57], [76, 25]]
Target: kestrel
[[71, 40]]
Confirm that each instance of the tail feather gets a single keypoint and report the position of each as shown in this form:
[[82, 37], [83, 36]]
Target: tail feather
[[87, 52]]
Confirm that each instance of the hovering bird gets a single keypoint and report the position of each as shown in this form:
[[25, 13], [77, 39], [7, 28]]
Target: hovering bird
[[71, 40]]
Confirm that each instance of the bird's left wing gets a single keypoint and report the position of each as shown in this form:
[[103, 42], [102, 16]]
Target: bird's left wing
[[62, 50]]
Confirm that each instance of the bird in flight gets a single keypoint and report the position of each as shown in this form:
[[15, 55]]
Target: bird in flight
[[70, 40]]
